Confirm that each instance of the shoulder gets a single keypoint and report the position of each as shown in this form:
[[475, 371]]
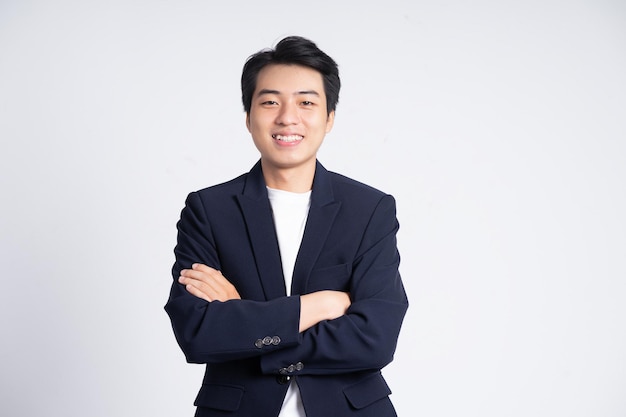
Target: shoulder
[[362, 206], [349, 184], [360, 201], [234, 185], [349, 189], [220, 196]]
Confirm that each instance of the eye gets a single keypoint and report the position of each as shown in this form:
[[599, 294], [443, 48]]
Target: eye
[[269, 103], [307, 103]]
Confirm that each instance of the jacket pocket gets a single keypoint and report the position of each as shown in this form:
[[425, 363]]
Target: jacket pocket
[[219, 397], [367, 391], [336, 277]]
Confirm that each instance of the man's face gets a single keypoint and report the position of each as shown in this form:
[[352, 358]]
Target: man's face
[[288, 118]]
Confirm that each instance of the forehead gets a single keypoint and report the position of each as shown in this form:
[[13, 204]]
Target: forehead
[[290, 79]]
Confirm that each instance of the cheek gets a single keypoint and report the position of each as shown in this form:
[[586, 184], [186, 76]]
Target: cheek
[[318, 122], [330, 121], [255, 128], [259, 122]]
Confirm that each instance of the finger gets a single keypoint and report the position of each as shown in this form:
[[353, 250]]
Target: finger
[[198, 270], [203, 267], [190, 273], [210, 282], [204, 276], [197, 287], [210, 276], [195, 291], [196, 267], [209, 290]]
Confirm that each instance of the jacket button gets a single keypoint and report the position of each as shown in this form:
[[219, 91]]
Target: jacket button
[[275, 340], [258, 343], [283, 379], [267, 340]]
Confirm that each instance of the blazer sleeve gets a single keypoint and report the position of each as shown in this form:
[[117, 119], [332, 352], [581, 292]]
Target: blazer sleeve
[[222, 331], [365, 337]]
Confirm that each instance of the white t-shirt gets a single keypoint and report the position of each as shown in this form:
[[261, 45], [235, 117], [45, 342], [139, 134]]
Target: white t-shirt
[[290, 211]]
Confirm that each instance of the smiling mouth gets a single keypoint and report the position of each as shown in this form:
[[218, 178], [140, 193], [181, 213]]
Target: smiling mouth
[[288, 138]]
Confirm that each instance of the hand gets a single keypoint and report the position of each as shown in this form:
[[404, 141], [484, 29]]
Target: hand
[[322, 305], [208, 283]]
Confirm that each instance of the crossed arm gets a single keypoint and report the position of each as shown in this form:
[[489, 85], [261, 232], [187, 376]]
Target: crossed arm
[[338, 333], [209, 284]]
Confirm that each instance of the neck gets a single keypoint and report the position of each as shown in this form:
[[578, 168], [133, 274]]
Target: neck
[[295, 180]]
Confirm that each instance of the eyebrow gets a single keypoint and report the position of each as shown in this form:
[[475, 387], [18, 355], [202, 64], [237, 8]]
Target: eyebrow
[[276, 92]]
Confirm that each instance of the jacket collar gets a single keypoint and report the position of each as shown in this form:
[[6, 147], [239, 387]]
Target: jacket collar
[[257, 213], [321, 194]]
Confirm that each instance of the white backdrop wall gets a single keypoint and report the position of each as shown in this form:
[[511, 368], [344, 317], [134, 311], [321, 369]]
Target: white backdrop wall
[[499, 126]]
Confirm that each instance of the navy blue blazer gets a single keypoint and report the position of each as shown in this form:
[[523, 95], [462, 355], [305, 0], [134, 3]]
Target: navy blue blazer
[[252, 347]]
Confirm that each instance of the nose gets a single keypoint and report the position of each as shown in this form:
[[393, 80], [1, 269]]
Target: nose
[[288, 114]]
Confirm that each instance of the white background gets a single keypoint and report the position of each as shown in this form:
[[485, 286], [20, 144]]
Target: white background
[[499, 126]]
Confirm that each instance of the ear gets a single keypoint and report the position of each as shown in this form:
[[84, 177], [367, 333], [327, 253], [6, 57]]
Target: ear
[[330, 121], [248, 121]]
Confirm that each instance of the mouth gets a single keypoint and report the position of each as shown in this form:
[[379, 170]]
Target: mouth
[[288, 138]]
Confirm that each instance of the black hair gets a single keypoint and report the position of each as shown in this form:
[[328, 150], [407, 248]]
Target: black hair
[[292, 50]]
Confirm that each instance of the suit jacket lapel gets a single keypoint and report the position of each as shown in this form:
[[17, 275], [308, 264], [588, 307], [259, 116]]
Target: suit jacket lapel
[[257, 213], [322, 214]]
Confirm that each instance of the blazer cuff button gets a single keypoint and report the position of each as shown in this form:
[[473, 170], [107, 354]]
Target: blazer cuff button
[[283, 379], [258, 343]]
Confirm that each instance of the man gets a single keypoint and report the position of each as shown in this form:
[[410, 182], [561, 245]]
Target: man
[[286, 280]]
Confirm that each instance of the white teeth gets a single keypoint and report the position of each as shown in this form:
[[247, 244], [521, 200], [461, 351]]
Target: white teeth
[[290, 138]]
